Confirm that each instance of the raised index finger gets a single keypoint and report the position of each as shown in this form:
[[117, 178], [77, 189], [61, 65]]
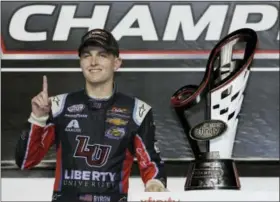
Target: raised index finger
[[45, 84]]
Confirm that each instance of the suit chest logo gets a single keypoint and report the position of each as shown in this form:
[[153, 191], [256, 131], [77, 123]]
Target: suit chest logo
[[76, 108], [73, 126], [115, 133], [117, 121], [119, 112]]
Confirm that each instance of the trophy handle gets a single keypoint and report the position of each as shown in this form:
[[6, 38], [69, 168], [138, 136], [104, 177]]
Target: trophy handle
[[181, 95]]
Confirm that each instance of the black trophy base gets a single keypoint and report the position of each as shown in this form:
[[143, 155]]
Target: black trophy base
[[205, 174]]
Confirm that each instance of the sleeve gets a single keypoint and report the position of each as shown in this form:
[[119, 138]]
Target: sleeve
[[37, 137], [150, 164], [34, 142]]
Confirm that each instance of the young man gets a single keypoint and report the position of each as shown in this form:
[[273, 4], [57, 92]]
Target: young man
[[96, 131]]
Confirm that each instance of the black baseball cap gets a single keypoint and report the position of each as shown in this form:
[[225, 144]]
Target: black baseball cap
[[100, 38]]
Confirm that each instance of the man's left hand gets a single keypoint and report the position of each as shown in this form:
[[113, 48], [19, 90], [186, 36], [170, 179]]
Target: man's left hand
[[154, 185]]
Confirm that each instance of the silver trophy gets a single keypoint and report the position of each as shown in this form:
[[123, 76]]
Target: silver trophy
[[208, 112]]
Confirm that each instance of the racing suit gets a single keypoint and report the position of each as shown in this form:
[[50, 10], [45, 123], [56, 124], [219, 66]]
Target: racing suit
[[96, 142]]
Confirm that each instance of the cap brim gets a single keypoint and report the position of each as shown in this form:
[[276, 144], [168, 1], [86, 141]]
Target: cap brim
[[96, 44], [91, 43]]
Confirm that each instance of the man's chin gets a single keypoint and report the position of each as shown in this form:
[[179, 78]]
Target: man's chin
[[96, 81]]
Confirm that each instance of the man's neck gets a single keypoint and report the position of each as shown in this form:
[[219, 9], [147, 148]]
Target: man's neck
[[99, 91]]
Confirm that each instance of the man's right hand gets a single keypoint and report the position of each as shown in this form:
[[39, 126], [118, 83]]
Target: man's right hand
[[41, 104]]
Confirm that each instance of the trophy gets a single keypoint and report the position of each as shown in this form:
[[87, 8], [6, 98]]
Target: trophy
[[209, 112]]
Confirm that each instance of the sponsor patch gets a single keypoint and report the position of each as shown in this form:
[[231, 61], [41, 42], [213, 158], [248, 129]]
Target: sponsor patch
[[73, 126], [86, 197], [76, 108], [141, 111], [56, 100], [119, 112], [76, 115], [116, 121], [115, 133]]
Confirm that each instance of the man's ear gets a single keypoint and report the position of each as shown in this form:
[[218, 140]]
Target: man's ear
[[118, 63]]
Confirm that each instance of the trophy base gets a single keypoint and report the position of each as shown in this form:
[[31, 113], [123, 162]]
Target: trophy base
[[205, 174]]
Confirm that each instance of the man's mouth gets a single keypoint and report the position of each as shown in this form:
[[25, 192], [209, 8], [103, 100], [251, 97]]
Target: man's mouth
[[94, 70]]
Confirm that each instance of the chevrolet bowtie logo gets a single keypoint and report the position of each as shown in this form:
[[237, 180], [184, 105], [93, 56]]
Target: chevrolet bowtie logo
[[117, 121]]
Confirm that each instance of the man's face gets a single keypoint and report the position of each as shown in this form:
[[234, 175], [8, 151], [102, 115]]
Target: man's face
[[98, 65]]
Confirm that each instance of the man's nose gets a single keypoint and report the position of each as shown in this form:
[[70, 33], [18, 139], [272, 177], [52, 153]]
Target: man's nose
[[93, 60]]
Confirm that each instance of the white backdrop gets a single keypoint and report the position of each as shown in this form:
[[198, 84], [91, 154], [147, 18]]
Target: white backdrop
[[253, 189]]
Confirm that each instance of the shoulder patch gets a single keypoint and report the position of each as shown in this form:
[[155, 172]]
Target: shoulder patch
[[140, 111], [58, 103]]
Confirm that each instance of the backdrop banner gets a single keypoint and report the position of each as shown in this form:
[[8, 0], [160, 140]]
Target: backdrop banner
[[164, 45]]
